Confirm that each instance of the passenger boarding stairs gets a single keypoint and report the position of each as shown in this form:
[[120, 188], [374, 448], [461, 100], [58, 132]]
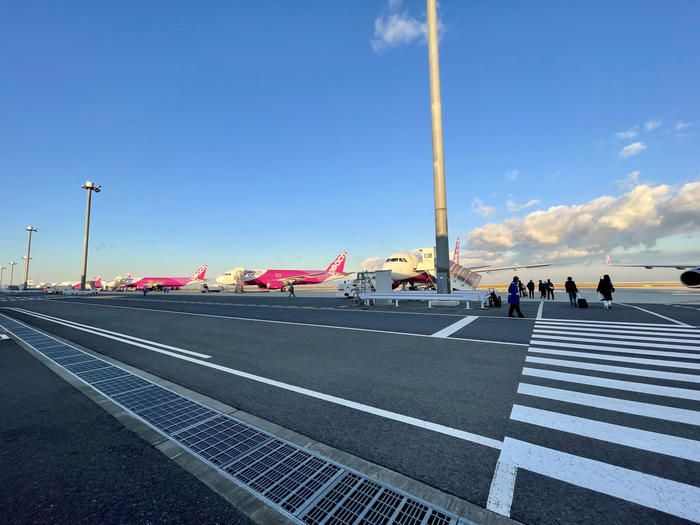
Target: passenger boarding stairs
[[464, 275]]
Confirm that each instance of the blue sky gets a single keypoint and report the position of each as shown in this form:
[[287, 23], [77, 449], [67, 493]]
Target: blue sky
[[280, 133]]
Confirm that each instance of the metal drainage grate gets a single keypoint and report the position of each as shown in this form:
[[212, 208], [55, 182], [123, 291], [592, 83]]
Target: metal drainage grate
[[302, 485]]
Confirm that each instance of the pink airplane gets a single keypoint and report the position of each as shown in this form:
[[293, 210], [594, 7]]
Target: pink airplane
[[278, 279], [173, 282]]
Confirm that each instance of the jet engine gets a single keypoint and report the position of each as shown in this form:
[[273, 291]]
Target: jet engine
[[691, 278]]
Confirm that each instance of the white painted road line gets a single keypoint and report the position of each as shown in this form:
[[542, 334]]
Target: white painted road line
[[292, 323], [624, 370], [615, 349], [671, 331], [643, 388], [674, 446], [502, 488], [3, 336], [654, 313], [621, 359], [607, 323], [666, 413], [412, 421], [449, 330], [665, 495], [539, 309], [123, 338], [625, 343], [630, 337]]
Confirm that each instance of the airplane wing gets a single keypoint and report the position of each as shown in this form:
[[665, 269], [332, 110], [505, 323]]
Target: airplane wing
[[514, 268], [650, 266]]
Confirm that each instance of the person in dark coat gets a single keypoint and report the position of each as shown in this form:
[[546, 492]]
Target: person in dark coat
[[549, 285], [521, 288], [542, 289], [514, 298], [570, 287], [606, 289], [531, 289]]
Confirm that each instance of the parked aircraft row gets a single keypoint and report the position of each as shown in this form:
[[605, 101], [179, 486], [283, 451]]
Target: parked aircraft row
[[406, 268]]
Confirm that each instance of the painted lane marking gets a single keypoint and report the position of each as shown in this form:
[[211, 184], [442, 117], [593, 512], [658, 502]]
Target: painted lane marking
[[672, 497], [292, 323], [91, 330], [641, 330], [626, 343], [643, 372], [617, 349], [130, 337], [643, 388], [675, 338], [502, 487], [451, 329], [607, 323], [654, 313], [666, 413], [3, 336], [539, 309], [668, 445], [621, 359], [624, 370], [394, 416]]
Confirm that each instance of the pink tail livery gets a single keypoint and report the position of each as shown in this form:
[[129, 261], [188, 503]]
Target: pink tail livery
[[455, 257], [607, 258], [338, 265], [199, 274]]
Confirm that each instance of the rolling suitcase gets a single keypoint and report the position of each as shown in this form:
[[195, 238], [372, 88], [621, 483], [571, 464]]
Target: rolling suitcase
[[581, 302]]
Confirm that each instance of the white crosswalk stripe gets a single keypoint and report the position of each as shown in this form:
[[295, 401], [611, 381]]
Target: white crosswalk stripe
[[642, 381]]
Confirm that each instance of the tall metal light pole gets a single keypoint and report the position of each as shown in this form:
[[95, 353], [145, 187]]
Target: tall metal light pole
[[442, 255], [12, 270], [90, 187], [29, 229], [2, 269]]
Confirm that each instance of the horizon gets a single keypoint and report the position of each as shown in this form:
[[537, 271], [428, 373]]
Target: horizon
[[567, 135]]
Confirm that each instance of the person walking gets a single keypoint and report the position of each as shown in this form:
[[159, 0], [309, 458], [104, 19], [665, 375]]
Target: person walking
[[542, 289], [606, 289], [145, 290], [531, 289], [570, 287], [550, 289], [291, 290], [514, 298], [521, 288]]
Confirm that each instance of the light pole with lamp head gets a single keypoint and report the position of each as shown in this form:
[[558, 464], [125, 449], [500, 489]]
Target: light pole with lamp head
[[12, 270], [90, 187], [29, 229], [2, 269]]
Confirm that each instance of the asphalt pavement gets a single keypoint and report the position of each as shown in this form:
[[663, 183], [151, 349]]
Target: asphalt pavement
[[567, 415]]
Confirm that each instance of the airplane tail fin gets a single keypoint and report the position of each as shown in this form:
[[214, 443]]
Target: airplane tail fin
[[98, 281], [455, 257], [338, 265], [199, 274], [607, 258]]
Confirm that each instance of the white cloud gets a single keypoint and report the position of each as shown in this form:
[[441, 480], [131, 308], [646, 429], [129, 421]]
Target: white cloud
[[643, 215], [680, 125], [372, 264], [626, 134], [629, 182], [652, 124], [512, 206], [395, 30], [512, 174], [481, 209], [399, 28], [631, 150]]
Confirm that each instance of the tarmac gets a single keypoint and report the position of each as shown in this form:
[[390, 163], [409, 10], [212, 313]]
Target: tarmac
[[569, 415]]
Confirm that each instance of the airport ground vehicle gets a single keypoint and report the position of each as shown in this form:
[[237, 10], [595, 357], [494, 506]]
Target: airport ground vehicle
[[206, 288]]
